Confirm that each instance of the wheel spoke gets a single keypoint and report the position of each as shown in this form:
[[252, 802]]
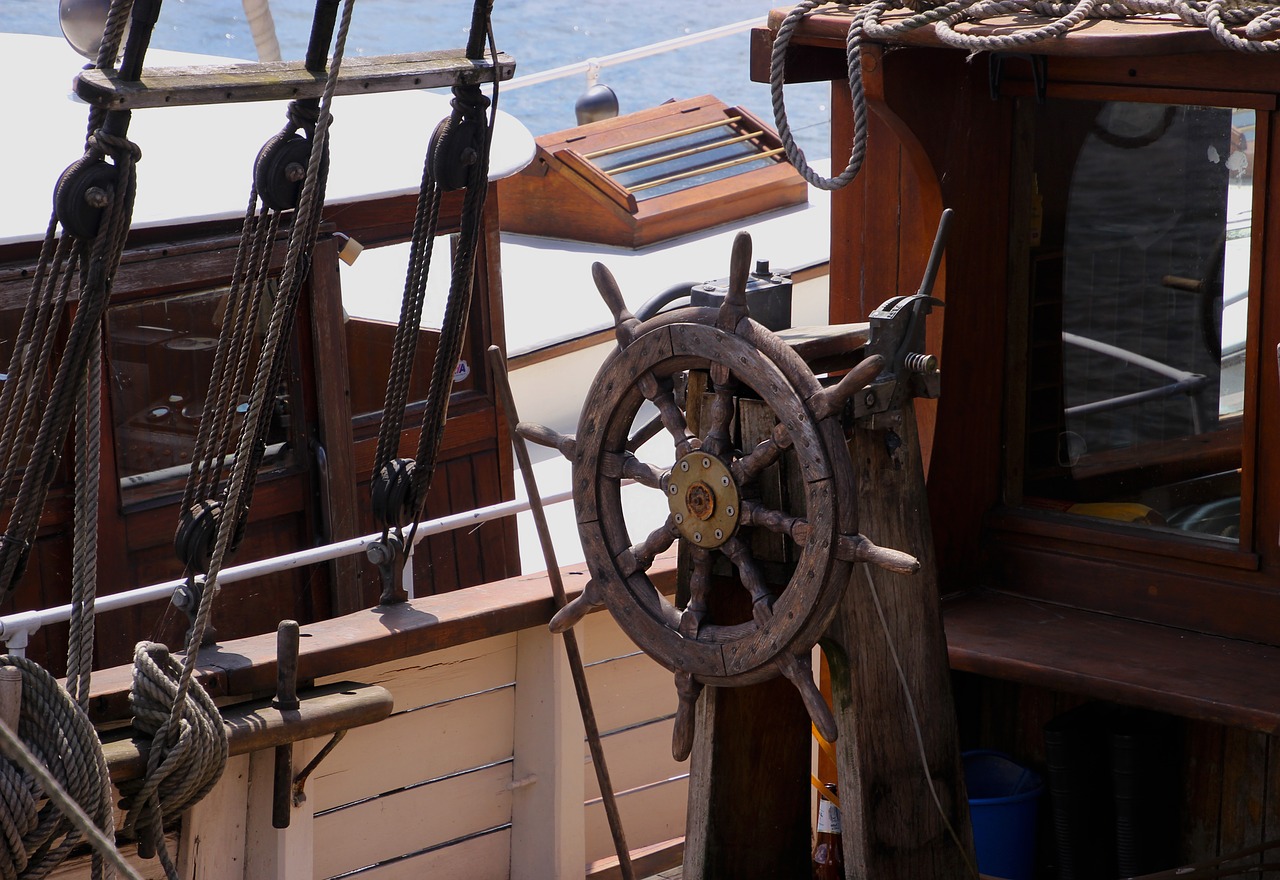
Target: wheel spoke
[[544, 436], [660, 395], [752, 578], [626, 325], [624, 465], [799, 671], [687, 689], [734, 307], [717, 440], [699, 587], [766, 453], [640, 556], [589, 600], [647, 432], [794, 527]]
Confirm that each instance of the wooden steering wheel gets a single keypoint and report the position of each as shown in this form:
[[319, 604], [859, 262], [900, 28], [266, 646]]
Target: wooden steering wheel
[[712, 496]]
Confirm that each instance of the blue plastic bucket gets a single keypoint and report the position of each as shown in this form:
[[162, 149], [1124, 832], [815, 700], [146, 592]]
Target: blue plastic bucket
[[1003, 798]]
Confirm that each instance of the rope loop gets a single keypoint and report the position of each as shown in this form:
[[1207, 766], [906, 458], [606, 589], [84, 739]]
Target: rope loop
[[188, 746], [302, 115], [1220, 17], [115, 146]]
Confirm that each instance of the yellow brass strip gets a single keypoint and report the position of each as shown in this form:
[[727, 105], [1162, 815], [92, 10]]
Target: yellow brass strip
[[741, 160], [657, 139], [681, 154]]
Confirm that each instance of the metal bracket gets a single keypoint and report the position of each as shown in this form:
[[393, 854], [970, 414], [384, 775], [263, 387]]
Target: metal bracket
[[1039, 72], [389, 556]]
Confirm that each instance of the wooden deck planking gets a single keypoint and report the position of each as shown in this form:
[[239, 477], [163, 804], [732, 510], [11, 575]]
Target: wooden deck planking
[[412, 820]]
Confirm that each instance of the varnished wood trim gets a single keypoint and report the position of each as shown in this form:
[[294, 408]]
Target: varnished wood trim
[[246, 667], [1225, 681], [1142, 541], [259, 725]]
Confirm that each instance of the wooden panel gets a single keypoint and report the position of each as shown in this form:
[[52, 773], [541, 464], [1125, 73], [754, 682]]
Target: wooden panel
[[630, 690], [638, 756], [649, 815], [479, 858], [414, 747], [412, 820], [286, 80], [428, 679]]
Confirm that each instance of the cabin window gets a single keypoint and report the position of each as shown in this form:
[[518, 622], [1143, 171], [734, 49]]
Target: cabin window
[[160, 356], [1140, 235]]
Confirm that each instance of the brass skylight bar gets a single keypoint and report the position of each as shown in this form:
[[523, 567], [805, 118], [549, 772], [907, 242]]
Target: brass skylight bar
[[657, 139], [741, 160], [681, 154]]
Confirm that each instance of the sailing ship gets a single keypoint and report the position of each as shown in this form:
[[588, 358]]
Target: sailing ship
[[1103, 515]]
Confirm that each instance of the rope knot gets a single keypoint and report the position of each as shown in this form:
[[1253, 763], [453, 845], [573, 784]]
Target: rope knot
[[188, 742], [117, 147], [302, 115]]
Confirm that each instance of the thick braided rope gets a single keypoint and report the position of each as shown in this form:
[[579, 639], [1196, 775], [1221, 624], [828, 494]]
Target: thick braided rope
[[66, 775], [188, 736], [187, 755], [98, 263], [1218, 17]]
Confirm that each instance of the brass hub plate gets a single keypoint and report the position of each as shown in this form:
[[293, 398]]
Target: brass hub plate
[[703, 499]]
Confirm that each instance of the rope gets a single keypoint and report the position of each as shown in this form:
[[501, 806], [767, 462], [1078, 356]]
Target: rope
[[58, 772], [1223, 19], [188, 750]]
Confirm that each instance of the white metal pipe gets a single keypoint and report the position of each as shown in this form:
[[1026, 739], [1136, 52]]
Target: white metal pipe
[[17, 628]]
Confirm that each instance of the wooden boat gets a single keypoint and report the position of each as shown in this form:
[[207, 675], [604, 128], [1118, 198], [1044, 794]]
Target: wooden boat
[[465, 755], [465, 751]]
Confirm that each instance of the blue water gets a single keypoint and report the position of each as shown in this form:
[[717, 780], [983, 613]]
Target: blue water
[[539, 34]]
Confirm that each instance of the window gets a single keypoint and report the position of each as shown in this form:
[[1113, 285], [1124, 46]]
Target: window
[[160, 356], [1139, 289]]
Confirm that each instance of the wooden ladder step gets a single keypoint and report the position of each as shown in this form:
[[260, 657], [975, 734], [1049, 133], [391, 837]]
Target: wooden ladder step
[[286, 80]]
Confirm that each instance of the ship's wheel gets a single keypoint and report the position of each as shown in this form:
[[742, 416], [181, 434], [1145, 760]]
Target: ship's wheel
[[713, 498]]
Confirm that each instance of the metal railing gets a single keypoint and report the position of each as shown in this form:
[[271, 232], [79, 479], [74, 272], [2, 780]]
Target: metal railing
[[16, 629]]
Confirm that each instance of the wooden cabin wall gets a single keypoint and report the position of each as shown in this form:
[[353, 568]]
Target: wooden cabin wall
[[311, 500], [1228, 779]]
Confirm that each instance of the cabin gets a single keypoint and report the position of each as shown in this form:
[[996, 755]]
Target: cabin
[[1102, 468]]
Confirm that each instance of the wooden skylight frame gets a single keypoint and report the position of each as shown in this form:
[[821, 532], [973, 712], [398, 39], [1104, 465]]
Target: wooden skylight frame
[[646, 177]]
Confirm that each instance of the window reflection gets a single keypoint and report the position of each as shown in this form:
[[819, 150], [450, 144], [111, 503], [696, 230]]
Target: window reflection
[[160, 359], [1138, 312]]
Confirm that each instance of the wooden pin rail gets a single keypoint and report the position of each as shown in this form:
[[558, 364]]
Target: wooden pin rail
[[259, 725], [286, 80]]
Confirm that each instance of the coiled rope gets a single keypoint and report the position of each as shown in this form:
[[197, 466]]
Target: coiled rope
[[1223, 19]]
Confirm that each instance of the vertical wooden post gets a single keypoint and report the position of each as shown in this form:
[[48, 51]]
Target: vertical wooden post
[[282, 853], [892, 827], [749, 785], [10, 697], [548, 771], [213, 831]]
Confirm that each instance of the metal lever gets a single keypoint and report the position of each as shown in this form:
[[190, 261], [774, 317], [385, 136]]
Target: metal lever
[[286, 700]]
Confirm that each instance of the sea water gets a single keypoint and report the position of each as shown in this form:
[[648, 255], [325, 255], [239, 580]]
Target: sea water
[[539, 34]]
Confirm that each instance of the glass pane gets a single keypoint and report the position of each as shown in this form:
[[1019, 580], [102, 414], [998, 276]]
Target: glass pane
[[681, 162], [1139, 277], [160, 357]]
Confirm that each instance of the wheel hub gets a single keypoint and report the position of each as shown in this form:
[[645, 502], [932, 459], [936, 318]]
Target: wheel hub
[[703, 499]]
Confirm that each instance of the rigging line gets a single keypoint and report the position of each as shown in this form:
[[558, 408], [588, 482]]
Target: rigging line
[[15, 749], [915, 725], [461, 287]]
